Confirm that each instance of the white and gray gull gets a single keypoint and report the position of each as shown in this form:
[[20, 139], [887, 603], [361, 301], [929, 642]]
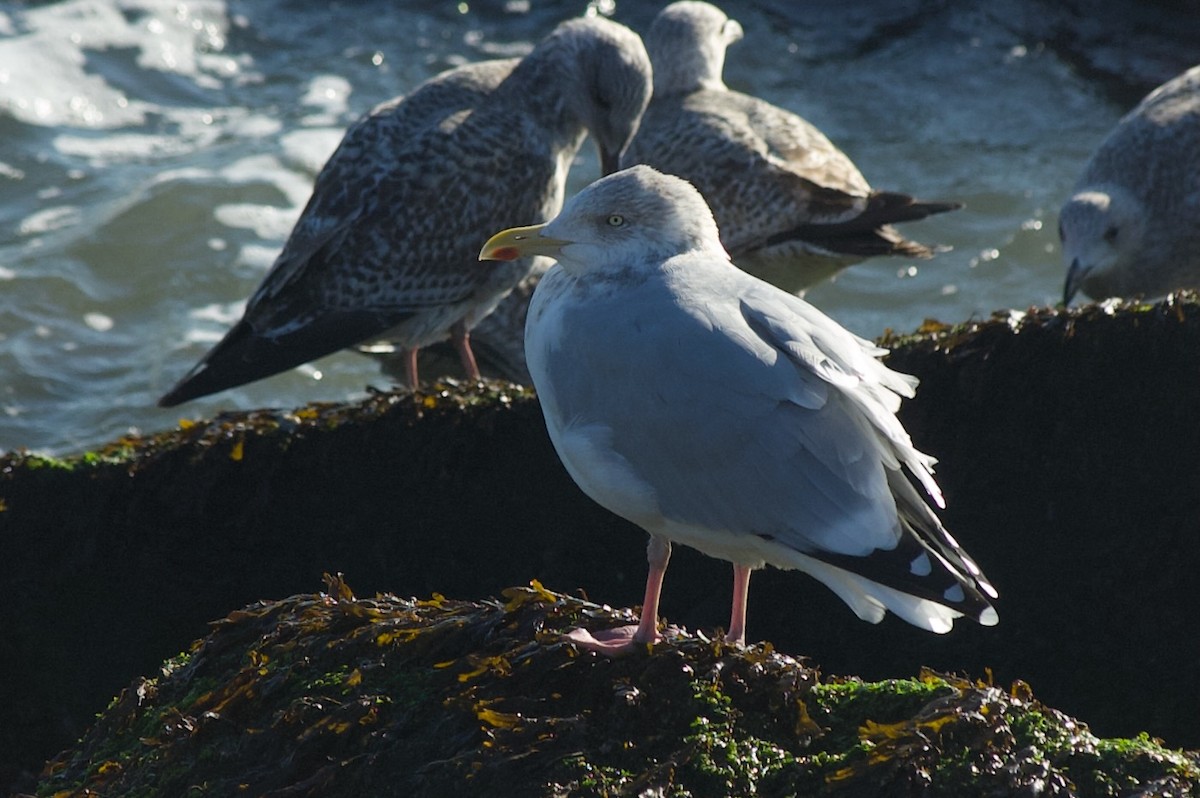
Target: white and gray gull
[[1132, 225], [387, 245], [792, 208], [718, 411]]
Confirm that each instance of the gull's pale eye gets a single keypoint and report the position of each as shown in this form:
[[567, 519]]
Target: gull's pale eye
[[616, 220]]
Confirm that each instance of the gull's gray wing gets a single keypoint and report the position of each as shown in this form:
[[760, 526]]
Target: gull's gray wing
[[736, 429]]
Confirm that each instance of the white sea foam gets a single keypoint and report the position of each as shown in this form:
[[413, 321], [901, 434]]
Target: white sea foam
[[223, 312], [264, 220], [49, 219], [46, 79], [268, 169], [257, 256], [310, 148], [329, 94], [122, 147], [98, 321]]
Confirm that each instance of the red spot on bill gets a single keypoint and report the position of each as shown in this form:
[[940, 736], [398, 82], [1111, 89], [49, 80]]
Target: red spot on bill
[[505, 253]]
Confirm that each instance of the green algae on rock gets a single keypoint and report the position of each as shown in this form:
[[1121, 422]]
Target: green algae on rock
[[228, 433], [329, 695]]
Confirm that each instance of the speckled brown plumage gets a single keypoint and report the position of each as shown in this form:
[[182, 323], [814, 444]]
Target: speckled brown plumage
[[792, 208], [387, 245]]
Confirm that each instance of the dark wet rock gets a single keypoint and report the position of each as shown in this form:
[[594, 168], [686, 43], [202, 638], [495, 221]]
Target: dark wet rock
[[1128, 47], [1067, 443], [1131, 47], [328, 695]]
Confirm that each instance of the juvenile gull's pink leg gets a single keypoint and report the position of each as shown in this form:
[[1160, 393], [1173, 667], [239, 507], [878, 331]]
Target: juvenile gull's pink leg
[[462, 342], [410, 367]]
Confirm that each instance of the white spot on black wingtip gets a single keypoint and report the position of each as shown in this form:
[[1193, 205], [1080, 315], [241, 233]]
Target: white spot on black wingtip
[[954, 593], [921, 566], [989, 617]]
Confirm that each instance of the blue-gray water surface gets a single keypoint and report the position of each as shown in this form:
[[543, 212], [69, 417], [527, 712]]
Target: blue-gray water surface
[[155, 153]]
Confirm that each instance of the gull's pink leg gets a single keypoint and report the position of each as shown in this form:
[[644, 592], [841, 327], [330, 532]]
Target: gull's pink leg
[[737, 615], [658, 554], [462, 342], [624, 639], [410, 367]]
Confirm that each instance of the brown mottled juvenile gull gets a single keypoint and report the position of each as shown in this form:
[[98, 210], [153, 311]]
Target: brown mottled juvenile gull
[[387, 246], [791, 207], [718, 411], [1132, 225]]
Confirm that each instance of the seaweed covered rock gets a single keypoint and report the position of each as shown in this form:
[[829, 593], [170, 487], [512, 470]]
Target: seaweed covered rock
[[328, 695], [1067, 442], [126, 552]]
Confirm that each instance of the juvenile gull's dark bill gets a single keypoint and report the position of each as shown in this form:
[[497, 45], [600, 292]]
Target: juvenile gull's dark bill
[[1132, 225], [715, 410], [791, 207], [387, 245]]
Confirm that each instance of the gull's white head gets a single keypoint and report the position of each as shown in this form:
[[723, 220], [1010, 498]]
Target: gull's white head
[[687, 43], [1101, 232], [636, 216]]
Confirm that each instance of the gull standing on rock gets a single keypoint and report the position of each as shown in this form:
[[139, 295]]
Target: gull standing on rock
[[715, 410], [791, 207], [1132, 227], [387, 245]]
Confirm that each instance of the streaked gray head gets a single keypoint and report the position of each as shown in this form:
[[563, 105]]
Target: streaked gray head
[[638, 215], [609, 81], [1102, 233], [687, 44]]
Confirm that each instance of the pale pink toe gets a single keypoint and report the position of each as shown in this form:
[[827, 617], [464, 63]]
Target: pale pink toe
[[610, 642]]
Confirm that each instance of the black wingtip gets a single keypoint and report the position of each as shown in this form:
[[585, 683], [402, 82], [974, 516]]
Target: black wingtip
[[894, 207], [926, 562], [244, 355], [871, 233], [185, 390], [920, 571], [224, 366], [171, 398], [204, 380]]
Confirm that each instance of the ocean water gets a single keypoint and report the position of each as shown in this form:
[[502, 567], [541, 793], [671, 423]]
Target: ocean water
[[155, 153]]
